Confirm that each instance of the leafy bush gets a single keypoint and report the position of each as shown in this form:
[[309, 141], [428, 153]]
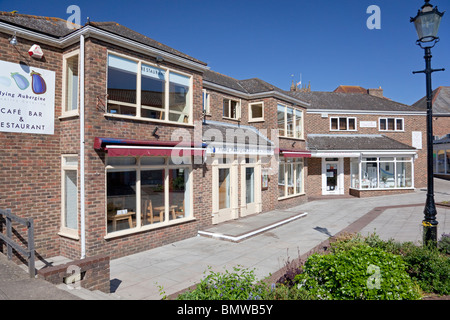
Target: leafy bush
[[238, 285], [444, 243], [357, 271], [430, 268]]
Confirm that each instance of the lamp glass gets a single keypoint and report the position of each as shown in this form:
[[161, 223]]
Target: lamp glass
[[427, 25]]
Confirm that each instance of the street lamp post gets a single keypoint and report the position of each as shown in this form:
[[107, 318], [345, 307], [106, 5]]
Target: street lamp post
[[427, 24]]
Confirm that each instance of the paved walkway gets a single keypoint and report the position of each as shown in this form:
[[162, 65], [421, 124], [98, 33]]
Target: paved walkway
[[288, 234], [180, 265]]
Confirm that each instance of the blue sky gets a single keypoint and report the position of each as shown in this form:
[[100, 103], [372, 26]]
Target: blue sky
[[325, 42]]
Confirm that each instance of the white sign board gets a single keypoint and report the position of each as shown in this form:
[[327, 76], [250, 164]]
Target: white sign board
[[367, 124], [417, 139], [27, 99]]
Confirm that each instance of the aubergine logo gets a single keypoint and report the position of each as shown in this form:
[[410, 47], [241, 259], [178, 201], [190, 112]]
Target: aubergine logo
[[38, 83], [21, 82]]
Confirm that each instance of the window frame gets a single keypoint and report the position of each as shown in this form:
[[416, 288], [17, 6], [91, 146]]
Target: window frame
[[294, 122], [138, 105], [395, 124], [238, 108], [347, 123], [206, 102], [286, 162], [138, 167], [64, 111], [377, 159], [250, 112], [66, 231]]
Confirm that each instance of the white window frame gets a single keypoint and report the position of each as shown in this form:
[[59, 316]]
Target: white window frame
[[294, 122], [138, 104], [395, 124], [295, 162], [138, 168], [65, 231], [206, 102], [250, 112], [238, 108], [64, 112], [339, 124], [394, 163]]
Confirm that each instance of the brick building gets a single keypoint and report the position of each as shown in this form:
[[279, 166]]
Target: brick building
[[115, 143], [363, 144]]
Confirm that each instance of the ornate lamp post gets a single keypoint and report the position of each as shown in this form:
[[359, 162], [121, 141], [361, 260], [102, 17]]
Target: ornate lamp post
[[427, 24]]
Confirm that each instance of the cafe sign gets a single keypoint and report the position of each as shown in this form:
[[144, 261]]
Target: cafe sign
[[27, 99]]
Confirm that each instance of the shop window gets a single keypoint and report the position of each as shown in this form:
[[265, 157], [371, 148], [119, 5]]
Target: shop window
[[256, 111], [391, 124], [71, 73], [383, 173], [141, 90], [69, 184], [146, 192], [290, 177]]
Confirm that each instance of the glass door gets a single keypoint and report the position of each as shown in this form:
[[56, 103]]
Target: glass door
[[251, 186]]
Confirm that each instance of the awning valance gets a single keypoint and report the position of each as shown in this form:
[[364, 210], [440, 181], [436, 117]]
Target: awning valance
[[127, 147], [288, 153]]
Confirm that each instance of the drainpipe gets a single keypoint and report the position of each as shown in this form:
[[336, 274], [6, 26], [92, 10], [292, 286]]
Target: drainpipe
[[82, 180]]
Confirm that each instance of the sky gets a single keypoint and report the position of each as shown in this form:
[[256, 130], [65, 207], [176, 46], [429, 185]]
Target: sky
[[326, 43]]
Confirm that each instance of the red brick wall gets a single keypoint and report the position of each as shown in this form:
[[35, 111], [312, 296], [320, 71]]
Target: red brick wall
[[30, 163], [441, 126]]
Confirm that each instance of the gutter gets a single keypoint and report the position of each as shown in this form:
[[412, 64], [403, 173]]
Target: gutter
[[82, 145]]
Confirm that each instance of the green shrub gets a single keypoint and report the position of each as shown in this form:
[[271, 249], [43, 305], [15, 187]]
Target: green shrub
[[444, 244], [357, 271], [281, 291], [429, 267], [238, 285]]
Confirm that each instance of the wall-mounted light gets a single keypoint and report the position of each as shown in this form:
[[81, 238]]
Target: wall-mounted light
[[13, 40], [159, 59], [154, 133]]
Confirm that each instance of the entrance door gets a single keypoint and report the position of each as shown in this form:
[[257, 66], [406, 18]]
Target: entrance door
[[332, 176], [250, 187], [224, 191]]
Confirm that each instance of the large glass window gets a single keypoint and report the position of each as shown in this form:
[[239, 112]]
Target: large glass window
[[441, 161], [146, 191], [163, 94], [383, 173], [179, 97], [152, 92], [290, 177], [290, 123]]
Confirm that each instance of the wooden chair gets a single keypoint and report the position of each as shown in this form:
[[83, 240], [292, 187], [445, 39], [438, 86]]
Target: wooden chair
[[178, 212], [148, 215]]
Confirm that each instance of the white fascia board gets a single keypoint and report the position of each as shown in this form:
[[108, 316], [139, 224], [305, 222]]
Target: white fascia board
[[377, 112], [90, 31]]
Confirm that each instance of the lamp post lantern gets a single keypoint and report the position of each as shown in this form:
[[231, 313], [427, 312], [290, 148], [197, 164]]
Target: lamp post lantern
[[427, 24]]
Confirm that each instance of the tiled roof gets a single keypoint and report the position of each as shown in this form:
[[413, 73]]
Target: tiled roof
[[350, 101], [351, 89], [354, 142], [57, 28], [441, 101], [249, 86], [54, 27]]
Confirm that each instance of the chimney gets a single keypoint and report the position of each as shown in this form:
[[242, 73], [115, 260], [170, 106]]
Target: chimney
[[376, 92]]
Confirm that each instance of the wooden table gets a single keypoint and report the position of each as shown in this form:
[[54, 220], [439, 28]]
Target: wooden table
[[162, 210], [119, 217]]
